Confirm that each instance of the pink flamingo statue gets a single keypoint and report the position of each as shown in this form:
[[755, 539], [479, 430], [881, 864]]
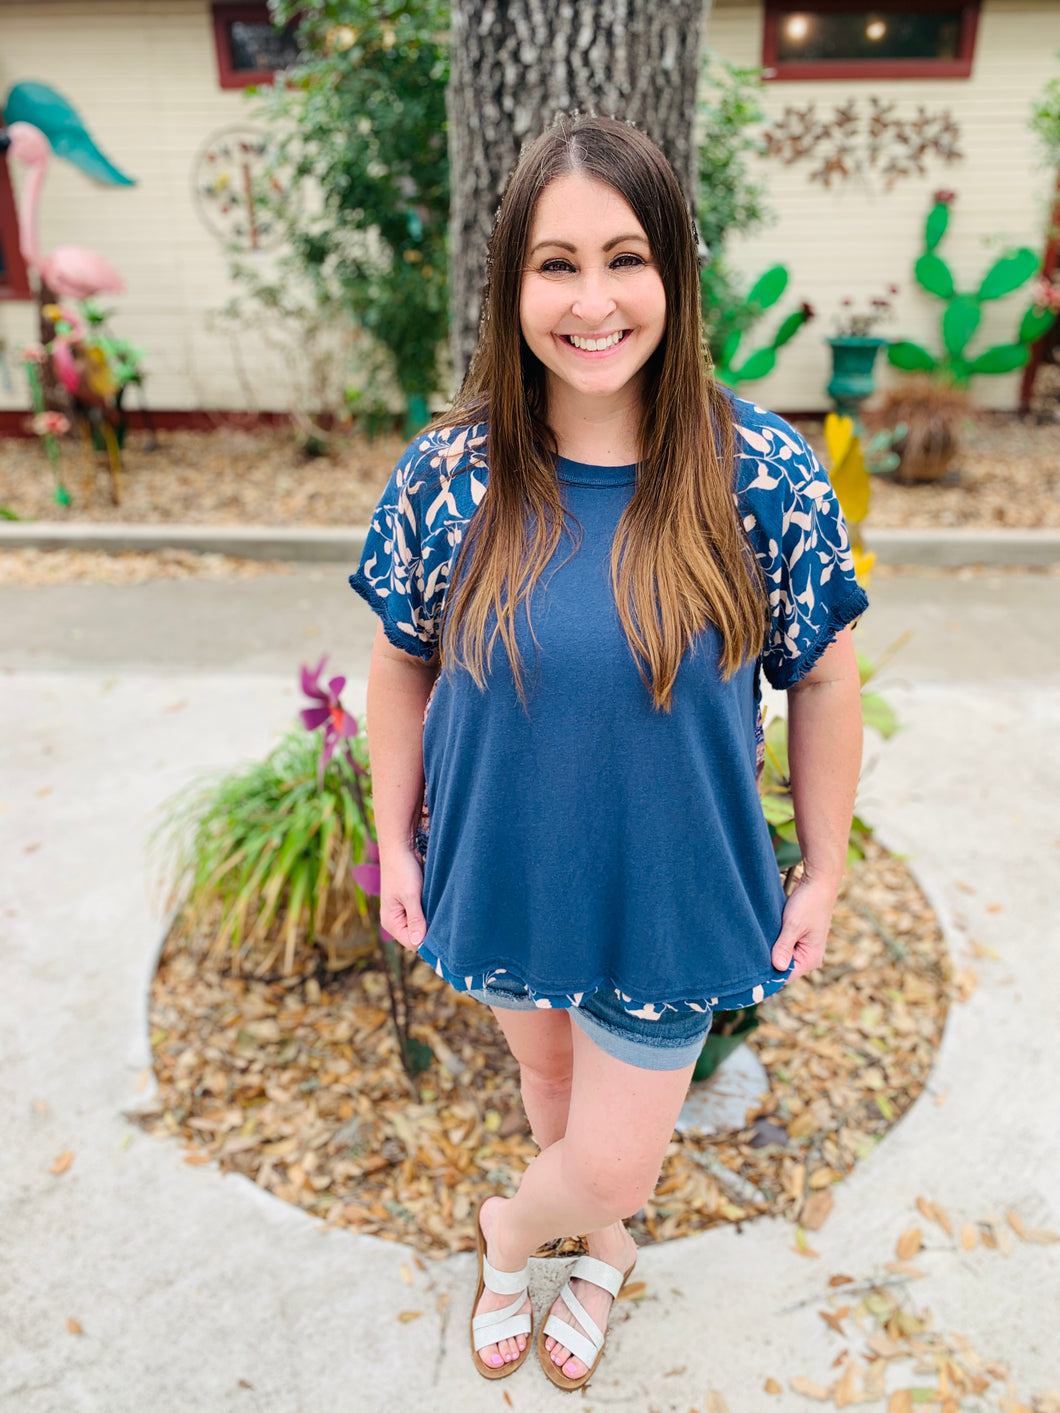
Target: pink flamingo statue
[[70, 271]]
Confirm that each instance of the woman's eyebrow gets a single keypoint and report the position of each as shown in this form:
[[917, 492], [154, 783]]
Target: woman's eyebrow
[[618, 240]]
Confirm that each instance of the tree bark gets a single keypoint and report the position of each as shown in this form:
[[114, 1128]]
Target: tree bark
[[514, 64]]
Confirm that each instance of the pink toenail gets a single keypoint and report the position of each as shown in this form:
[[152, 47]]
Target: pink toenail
[[496, 1360], [571, 1369]]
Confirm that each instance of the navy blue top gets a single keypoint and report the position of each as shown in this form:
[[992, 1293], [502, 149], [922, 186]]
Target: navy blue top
[[591, 840]]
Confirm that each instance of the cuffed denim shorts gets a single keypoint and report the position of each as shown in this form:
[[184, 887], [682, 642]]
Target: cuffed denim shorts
[[670, 1042]]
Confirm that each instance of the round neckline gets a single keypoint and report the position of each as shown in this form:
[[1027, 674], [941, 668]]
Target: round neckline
[[584, 473]]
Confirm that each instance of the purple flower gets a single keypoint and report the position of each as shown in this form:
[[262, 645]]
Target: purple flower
[[337, 722], [366, 874]]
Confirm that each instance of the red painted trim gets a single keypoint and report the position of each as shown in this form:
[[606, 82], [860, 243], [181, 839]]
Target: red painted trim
[[14, 282], [176, 419], [224, 16], [959, 68], [1050, 261]]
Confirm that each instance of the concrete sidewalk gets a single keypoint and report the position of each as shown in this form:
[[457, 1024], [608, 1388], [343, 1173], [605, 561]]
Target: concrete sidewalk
[[198, 1293]]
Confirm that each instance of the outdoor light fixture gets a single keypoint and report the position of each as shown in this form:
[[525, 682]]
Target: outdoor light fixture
[[875, 29], [797, 27]]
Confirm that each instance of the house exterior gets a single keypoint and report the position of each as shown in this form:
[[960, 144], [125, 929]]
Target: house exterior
[[160, 85]]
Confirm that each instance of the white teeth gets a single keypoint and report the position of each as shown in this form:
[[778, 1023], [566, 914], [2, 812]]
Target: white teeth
[[594, 345]]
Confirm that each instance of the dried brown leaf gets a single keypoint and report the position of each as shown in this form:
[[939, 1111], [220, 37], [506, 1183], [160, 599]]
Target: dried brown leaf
[[846, 1390], [969, 1236], [815, 1210], [406, 1273], [74, 1326], [1040, 1235], [840, 1279], [771, 1386], [909, 1243], [943, 1219], [715, 1402], [406, 1315], [900, 1401], [633, 1290], [62, 1162], [1015, 1222], [809, 1389]]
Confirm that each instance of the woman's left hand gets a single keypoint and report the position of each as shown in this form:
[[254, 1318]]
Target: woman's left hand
[[804, 933]]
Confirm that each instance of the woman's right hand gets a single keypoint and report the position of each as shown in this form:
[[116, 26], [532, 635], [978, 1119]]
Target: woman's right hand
[[400, 897]]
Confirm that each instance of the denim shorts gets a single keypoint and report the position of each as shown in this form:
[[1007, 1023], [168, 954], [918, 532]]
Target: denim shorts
[[670, 1042]]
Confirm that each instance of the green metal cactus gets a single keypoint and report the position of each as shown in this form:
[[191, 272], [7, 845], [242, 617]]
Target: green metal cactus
[[963, 312], [763, 295]]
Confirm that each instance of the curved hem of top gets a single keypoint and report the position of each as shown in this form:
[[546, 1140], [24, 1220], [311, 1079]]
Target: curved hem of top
[[735, 998]]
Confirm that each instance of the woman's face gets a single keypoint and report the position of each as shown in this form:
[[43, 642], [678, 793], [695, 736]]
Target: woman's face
[[589, 275]]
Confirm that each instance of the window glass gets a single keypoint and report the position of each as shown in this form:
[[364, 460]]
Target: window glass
[[258, 46], [811, 37]]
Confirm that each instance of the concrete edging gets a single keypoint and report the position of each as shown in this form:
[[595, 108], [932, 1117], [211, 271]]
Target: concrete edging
[[935, 548]]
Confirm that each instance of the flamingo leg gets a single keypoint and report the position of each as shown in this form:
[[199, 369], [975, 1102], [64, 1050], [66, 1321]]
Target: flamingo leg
[[88, 460], [114, 456]]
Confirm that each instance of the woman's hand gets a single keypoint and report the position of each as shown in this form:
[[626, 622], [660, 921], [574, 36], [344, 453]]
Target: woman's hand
[[400, 897], [804, 933]]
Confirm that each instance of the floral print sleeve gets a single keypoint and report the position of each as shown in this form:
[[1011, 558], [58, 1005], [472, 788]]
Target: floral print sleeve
[[798, 534], [416, 531]]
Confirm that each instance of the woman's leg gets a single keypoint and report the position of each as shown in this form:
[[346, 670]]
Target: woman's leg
[[541, 1041], [620, 1122]]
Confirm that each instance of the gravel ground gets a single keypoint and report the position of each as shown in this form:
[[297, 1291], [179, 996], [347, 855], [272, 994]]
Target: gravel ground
[[1007, 475], [32, 567]]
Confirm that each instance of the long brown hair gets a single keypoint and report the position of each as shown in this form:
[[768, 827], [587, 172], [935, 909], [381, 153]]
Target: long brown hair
[[680, 559]]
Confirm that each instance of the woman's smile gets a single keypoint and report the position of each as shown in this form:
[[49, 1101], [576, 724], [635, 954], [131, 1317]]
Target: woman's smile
[[595, 345]]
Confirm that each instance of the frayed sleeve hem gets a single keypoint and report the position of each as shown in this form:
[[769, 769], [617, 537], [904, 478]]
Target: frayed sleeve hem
[[792, 670], [394, 634]]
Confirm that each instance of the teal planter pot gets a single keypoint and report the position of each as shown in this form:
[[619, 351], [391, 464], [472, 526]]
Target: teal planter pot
[[853, 380], [717, 1048], [417, 414]]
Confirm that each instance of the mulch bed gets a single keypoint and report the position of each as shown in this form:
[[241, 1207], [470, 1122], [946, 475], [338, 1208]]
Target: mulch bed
[[295, 1082], [1008, 474]]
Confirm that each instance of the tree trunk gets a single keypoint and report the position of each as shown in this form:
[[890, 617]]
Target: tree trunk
[[514, 64]]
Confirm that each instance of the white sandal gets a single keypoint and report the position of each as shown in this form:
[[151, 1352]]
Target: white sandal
[[510, 1320], [588, 1350]]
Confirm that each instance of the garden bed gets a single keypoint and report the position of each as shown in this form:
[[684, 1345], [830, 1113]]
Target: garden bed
[[1008, 474], [296, 1083]]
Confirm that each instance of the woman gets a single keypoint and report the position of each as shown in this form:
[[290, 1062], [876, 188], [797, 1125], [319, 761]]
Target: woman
[[581, 570]]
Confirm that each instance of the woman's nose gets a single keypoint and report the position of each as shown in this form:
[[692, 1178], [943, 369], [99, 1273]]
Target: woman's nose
[[593, 300]]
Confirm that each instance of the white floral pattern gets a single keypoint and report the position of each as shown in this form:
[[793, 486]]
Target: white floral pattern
[[793, 522]]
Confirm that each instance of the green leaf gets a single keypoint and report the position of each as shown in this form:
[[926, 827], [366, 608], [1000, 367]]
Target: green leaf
[[768, 288], [789, 328], [910, 357], [418, 1054], [933, 274], [960, 322], [1035, 322], [875, 712], [788, 854], [778, 809], [1008, 273], [729, 347], [760, 363], [938, 218], [1002, 358]]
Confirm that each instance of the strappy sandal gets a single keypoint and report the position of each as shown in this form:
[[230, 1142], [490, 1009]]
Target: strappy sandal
[[505, 1323], [588, 1350]]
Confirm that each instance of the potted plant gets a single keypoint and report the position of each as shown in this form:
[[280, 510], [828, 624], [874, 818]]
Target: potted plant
[[854, 349]]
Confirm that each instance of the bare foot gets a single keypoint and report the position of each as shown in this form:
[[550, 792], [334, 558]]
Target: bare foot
[[508, 1350], [615, 1246]]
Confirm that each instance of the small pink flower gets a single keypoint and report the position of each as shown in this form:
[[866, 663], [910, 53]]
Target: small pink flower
[[32, 353], [807, 310], [944, 198], [50, 424]]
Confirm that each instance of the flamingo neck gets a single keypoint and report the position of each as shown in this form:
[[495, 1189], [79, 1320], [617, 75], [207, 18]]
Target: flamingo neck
[[27, 214]]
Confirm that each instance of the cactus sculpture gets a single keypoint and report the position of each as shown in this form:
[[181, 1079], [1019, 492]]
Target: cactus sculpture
[[764, 293], [963, 312]]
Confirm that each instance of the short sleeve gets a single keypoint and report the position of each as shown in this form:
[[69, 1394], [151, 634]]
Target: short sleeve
[[412, 540], [799, 536]]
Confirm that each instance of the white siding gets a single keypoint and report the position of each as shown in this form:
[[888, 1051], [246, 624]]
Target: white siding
[[855, 240], [143, 76]]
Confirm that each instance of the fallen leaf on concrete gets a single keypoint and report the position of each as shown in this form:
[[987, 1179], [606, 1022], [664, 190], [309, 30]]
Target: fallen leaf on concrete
[[633, 1290], [715, 1403], [840, 1279], [1040, 1235], [406, 1273], [1013, 1219], [673, 1373], [969, 1236], [815, 1210], [900, 1401], [846, 1390], [965, 980], [74, 1326], [995, 907], [62, 1162], [771, 1386], [508, 1399], [809, 1389], [406, 1315], [833, 1318], [909, 1243]]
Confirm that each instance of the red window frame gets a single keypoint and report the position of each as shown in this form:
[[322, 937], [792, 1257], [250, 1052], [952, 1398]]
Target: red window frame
[[224, 16], [775, 69], [14, 280]]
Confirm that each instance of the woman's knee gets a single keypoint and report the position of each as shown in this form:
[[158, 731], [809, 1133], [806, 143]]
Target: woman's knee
[[611, 1181], [541, 1042]]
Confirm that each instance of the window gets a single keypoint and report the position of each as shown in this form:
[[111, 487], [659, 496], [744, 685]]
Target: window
[[14, 282], [249, 46], [823, 39]]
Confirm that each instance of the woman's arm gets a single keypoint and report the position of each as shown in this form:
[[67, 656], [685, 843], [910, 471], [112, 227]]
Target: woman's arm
[[824, 756], [398, 687]]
